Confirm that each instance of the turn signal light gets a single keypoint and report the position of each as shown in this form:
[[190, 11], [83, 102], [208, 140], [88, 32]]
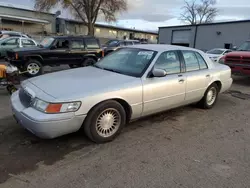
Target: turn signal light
[[53, 108]]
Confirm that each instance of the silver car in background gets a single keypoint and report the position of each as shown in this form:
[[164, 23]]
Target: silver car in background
[[128, 84]]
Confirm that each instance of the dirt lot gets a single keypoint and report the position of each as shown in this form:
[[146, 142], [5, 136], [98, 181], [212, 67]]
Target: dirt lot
[[185, 147]]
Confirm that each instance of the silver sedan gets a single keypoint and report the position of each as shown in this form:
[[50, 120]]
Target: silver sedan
[[128, 84]]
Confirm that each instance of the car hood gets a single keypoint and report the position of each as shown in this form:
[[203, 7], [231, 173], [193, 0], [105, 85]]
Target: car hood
[[213, 55], [81, 82], [29, 49], [239, 53]]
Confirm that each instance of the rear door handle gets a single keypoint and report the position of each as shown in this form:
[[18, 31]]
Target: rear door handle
[[181, 80], [208, 75]]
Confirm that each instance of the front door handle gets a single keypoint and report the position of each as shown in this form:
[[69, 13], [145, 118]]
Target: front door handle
[[181, 80], [208, 75]]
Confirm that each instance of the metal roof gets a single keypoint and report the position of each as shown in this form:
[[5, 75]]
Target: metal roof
[[21, 7], [203, 24], [112, 27], [21, 18]]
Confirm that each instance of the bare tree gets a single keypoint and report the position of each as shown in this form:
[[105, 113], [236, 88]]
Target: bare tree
[[197, 13], [86, 10]]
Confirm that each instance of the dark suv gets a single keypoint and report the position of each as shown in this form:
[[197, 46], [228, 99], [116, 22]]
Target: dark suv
[[75, 51]]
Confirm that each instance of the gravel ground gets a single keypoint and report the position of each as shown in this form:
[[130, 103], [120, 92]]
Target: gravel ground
[[184, 147]]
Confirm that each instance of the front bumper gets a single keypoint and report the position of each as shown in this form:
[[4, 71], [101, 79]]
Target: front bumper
[[243, 70], [43, 125]]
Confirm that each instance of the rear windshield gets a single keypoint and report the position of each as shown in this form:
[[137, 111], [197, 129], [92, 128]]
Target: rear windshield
[[215, 51], [244, 47]]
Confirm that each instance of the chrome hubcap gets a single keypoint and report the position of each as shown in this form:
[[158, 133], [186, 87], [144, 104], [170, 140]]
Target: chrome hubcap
[[211, 96], [33, 68], [108, 122]]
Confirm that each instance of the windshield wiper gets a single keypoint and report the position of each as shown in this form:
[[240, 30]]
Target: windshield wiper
[[107, 69]]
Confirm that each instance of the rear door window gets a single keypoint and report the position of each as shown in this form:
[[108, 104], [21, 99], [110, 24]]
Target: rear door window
[[191, 61], [202, 63], [127, 43], [77, 44], [92, 43]]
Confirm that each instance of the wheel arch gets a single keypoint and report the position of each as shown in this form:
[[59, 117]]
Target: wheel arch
[[36, 57], [122, 102], [90, 56]]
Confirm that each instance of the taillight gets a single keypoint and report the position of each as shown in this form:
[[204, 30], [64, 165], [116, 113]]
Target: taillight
[[102, 53], [16, 55]]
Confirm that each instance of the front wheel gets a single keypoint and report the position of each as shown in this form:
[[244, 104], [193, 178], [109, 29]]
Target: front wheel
[[210, 97], [105, 121], [33, 68]]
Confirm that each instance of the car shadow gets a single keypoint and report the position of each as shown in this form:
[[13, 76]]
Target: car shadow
[[241, 80], [21, 151]]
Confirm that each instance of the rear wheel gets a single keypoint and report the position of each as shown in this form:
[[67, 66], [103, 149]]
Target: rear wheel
[[105, 121], [210, 97], [88, 62], [33, 68]]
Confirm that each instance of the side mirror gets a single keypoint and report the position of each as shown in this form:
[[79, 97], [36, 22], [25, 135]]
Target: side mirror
[[159, 72], [235, 48]]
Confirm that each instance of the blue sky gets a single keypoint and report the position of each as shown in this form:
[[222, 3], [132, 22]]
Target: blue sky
[[150, 14]]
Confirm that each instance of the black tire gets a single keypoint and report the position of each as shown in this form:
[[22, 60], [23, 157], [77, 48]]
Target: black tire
[[90, 124], [72, 66], [204, 103], [34, 62], [88, 62]]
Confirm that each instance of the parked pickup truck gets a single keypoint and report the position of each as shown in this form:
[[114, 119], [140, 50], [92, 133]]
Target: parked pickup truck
[[75, 51], [239, 60]]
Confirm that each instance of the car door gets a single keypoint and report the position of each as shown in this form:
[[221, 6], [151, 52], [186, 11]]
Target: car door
[[93, 47], [197, 76], [9, 44], [59, 52], [162, 93], [77, 51]]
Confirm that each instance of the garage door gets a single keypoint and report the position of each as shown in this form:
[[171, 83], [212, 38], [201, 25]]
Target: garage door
[[181, 37]]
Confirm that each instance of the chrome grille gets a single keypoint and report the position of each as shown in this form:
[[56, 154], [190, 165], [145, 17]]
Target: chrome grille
[[25, 97]]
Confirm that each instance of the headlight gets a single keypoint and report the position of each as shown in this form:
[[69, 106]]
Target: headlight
[[222, 60], [53, 108]]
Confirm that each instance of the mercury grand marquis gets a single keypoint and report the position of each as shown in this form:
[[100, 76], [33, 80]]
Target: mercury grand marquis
[[126, 85]]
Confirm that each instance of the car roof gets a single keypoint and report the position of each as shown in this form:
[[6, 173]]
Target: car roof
[[219, 49], [161, 47], [72, 37]]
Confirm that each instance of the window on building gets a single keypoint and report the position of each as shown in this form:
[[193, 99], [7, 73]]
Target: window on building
[[77, 44], [98, 30], [191, 61], [169, 62], [92, 43]]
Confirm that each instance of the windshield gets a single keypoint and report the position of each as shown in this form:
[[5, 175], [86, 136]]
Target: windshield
[[47, 42], [244, 47], [128, 61], [112, 43], [215, 51]]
